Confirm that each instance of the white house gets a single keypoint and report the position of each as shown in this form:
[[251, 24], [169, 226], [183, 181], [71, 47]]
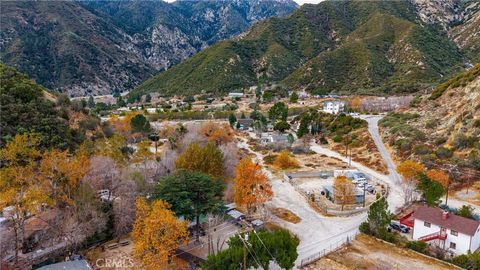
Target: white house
[[333, 106], [450, 232]]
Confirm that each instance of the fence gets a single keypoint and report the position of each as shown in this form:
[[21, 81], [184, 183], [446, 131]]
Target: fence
[[333, 247]]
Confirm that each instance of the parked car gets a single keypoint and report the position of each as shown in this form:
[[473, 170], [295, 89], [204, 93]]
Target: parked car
[[370, 188], [399, 227]]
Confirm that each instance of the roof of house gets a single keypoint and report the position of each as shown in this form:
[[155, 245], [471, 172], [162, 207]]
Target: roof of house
[[235, 214], [70, 265], [453, 222], [245, 122]]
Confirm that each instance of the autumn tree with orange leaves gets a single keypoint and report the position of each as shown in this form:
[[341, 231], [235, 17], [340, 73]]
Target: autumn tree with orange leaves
[[20, 188], [410, 170], [157, 234], [251, 185], [217, 133], [440, 177], [285, 161], [343, 191], [61, 173]]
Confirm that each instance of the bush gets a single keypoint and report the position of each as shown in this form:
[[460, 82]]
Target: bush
[[419, 246], [337, 138], [269, 159], [422, 149], [365, 228], [463, 141], [444, 153], [468, 261], [285, 161]]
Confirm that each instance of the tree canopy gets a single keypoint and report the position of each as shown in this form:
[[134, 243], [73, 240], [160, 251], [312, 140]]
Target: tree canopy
[[191, 194], [262, 247], [157, 233], [207, 159]]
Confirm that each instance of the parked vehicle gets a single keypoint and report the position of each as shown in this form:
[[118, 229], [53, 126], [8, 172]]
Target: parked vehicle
[[399, 227]]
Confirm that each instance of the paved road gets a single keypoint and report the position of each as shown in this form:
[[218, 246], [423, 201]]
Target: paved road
[[396, 179]]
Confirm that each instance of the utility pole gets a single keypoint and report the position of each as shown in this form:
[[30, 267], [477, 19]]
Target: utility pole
[[244, 266]]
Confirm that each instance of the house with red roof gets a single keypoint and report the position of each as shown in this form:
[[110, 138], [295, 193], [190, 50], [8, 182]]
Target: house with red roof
[[448, 231]]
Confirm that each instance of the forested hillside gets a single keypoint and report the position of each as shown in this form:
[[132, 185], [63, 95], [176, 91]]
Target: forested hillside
[[30, 108], [374, 47]]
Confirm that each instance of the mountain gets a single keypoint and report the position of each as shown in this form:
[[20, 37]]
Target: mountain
[[441, 129], [373, 47], [100, 47]]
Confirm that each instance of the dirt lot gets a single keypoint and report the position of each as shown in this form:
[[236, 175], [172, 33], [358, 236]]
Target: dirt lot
[[471, 195], [286, 215], [369, 253]]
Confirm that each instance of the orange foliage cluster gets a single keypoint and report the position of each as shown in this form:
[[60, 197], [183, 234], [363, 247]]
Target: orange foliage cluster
[[157, 234], [251, 185], [285, 161], [217, 133]]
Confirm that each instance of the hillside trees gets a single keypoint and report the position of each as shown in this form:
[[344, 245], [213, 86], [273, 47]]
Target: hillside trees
[[343, 191], [192, 194], [26, 109], [251, 185], [157, 233]]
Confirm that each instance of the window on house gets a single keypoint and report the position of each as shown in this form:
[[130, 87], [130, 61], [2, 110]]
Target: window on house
[[452, 232], [453, 245], [427, 224]]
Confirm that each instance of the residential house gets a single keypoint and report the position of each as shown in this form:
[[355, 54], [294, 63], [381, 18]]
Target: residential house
[[448, 231], [245, 124], [333, 107], [330, 193]]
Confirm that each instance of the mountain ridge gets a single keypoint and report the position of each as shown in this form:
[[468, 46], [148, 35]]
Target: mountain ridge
[[101, 47], [284, 50]]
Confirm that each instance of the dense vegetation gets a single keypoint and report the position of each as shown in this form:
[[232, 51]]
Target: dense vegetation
[[461, 79], [336, 46], [29, 108]]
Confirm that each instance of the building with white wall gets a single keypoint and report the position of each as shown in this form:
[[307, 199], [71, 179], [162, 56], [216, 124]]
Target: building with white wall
[[448, 231], [334, 107]]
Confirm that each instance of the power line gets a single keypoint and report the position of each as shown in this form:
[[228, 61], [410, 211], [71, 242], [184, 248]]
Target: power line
[[271, 256]]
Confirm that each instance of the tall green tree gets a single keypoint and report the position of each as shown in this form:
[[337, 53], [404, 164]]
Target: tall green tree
[[139, 123], [431, 190], [294, 97], [232, 119], [303, 128], [192, 194], [91, 102], [379, 217], [279, 246], [279, 111]]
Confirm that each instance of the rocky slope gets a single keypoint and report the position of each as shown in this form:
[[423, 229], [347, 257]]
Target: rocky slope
[[98, 47], [379, 47], [441, 129]]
